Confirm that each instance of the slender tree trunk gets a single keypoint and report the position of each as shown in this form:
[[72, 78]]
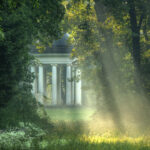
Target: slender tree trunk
[[136, 50], [145, 34]]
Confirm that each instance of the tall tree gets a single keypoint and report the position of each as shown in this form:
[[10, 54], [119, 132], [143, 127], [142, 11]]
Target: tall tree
[[22, 23], [137, 12]]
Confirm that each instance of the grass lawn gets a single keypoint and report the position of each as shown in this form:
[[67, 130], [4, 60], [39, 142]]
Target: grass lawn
[[98, 143], [70, 113]]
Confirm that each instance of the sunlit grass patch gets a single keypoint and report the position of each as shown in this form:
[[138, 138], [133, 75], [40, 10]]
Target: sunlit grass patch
[[124, 143], [86, 142], [100, 139]]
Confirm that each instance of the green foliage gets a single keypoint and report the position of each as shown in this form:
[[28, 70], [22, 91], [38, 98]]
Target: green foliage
[[103, 42], [20, 138], [22, 23], [133, 16], [97, 43], [20, 110]]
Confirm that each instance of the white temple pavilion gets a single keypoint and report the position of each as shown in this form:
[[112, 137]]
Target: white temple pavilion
[[57, 78]]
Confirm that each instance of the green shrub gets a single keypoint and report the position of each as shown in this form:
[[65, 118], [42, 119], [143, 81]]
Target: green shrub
[[21, 138]]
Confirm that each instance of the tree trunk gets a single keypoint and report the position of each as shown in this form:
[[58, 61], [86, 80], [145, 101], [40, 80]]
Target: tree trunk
[[136, 50]]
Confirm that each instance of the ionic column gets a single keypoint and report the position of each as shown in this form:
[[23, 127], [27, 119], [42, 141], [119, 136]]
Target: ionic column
[[73, 86], [45, 83], [34, 81], [68, 85], [54, 84], [41, 83], [78, 88], [59, 99]]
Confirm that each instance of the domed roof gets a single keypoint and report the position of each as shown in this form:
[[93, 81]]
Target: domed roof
[[61, 42], [58, 46]]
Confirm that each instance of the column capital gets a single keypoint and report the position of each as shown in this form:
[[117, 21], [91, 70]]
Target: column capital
[[69, 64], [40, 65], [54, 65]]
